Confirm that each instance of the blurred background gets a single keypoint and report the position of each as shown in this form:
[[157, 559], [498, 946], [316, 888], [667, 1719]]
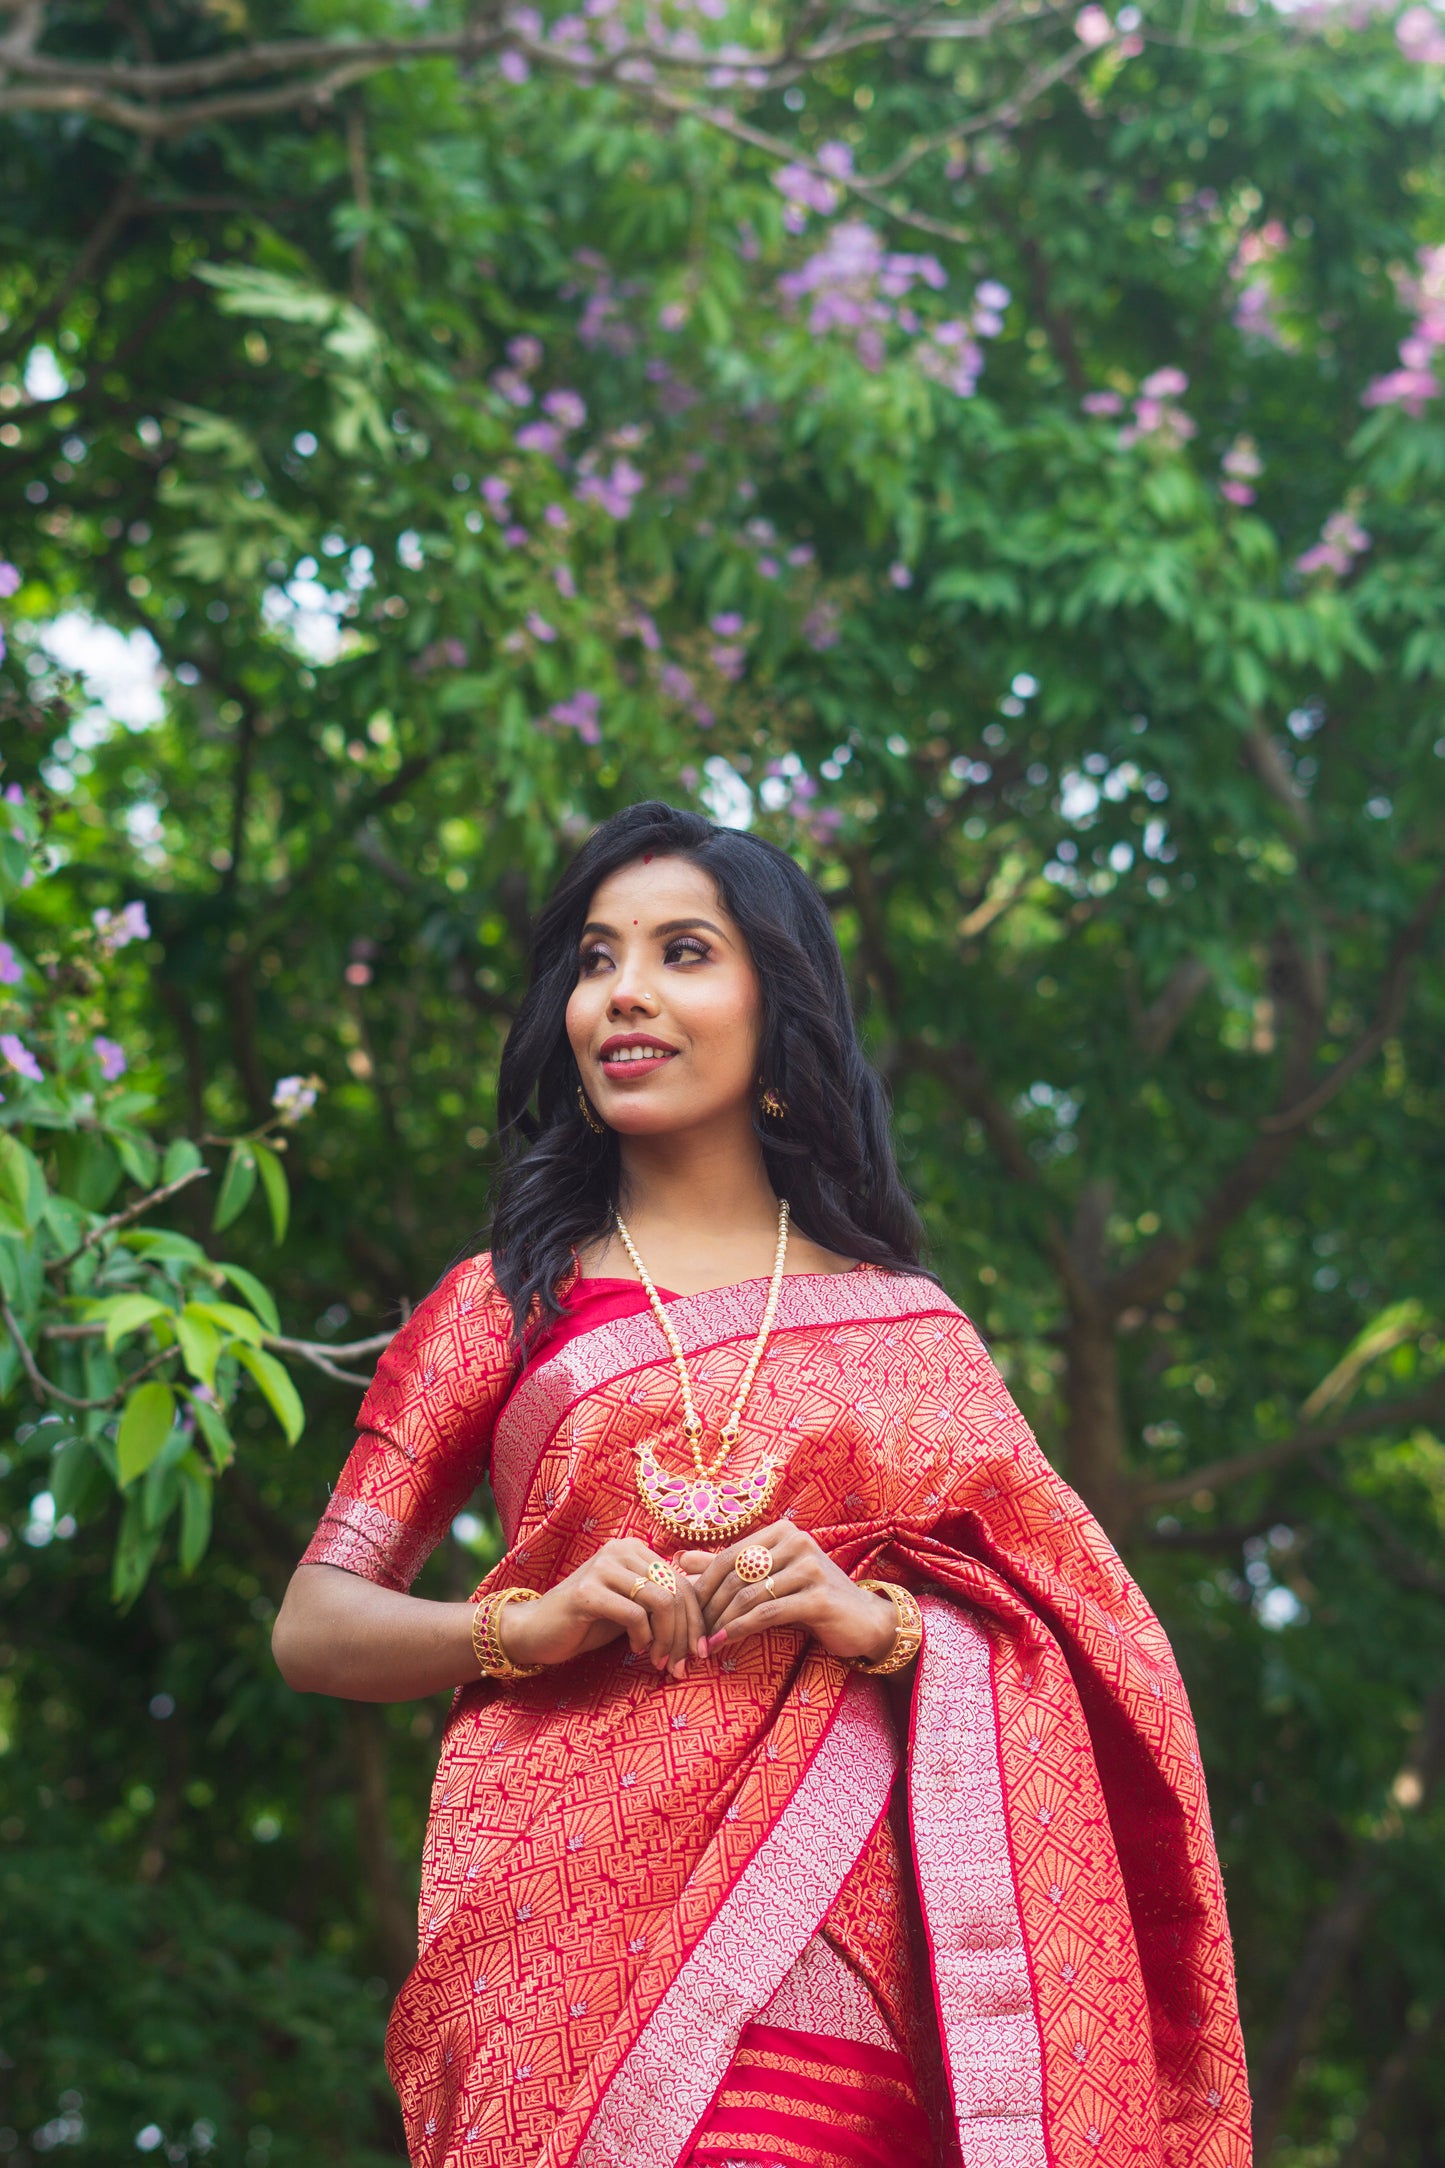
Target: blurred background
[[998, 456]]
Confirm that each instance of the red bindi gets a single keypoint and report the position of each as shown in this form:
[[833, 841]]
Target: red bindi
[[647, 858]]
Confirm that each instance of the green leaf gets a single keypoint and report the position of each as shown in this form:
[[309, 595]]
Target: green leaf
[[138, 1156], [273, 1181], [182, 1157], [212, 1426], [196, 1488], [236, 1187], [162, 1488], [135, 1552], [19, 1208], [256, 1293], [200, 1344], [145, 1425], [276, 1384], [163, 1246], [122, 1314], [236, 1323]]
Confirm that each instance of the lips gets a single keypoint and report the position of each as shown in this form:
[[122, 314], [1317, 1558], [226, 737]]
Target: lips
[[633, 1053]]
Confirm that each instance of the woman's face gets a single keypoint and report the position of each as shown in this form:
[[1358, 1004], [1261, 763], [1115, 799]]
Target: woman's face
[[665, 1017]]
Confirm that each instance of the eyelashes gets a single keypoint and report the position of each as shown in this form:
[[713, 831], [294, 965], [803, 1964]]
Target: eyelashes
[[688, 944]]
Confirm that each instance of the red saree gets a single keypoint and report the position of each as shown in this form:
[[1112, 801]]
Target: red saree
[[776, 1912]]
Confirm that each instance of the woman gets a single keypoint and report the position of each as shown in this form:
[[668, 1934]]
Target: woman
[[819, 1789]]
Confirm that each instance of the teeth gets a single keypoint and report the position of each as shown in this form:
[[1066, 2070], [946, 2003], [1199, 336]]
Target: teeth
[[640, 1053]]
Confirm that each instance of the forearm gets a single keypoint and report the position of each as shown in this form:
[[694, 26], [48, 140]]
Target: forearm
[[337, 1633]]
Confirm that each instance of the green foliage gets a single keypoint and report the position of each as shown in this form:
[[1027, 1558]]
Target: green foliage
[[1126, 799]]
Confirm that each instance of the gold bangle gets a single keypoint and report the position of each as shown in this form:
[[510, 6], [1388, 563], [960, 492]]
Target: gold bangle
[[492, 1659], [908, 1639]]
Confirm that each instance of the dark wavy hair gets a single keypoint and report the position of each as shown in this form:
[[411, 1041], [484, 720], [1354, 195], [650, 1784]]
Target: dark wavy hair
[[831, 1155]]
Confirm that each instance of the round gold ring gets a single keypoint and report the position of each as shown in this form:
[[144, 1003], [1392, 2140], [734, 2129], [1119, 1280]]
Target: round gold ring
[[662, 1576], [754, 1562], [640, 1582]]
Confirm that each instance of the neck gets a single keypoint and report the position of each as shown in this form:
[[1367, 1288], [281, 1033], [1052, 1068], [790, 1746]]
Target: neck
[[708, 1187]]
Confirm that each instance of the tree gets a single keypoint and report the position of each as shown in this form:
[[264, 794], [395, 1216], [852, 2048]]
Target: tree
[[976, 454]]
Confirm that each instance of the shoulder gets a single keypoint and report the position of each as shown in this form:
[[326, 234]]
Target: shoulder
[[465, 1323], [904, 1294]]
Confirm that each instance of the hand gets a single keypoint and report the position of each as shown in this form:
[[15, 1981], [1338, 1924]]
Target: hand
[[809, 1590], [599, 1601]]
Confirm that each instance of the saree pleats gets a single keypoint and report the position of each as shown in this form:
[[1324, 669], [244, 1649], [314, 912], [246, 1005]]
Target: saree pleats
[[814, 2102]]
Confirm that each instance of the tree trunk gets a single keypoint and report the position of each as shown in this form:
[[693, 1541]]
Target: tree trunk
[[395, 1911]]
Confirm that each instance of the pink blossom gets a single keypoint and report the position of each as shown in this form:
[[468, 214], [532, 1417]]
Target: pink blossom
[[727, 624], [991, 295], [513, 68], [730, 660], [111, 1056], [1411, 389], [20, 1058], [1092, 26], [566, 408], [615, 491], [496, 492], [646, 631], [1341, 542], [524, 351], [899, 575], [836, 159], [514, 536], [9, 578], [357, 974], [672, 315], [11, 969], [1165, 384], [820, 627], [1242, 460], [564, 581], [1237, 492], [768, 568], [1415, 383], [556, 516], [117, 929], [513, 387], [580, 713], [801, 553], [675, 682], [1420, 36], [538, 626], [1102, 402], [544, 437], [807, 189]]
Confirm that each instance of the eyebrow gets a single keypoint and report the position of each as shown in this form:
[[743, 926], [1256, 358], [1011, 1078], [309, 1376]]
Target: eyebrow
[[669, 925]]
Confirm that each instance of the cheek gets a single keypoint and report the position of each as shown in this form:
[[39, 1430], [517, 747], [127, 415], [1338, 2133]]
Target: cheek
[[580, 1017], [723, 1014]]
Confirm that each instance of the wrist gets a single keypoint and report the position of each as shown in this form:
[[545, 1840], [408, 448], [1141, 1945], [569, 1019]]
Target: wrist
[[882, 1621]]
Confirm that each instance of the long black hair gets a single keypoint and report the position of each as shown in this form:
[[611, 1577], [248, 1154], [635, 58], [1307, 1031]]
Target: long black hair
[[830, 1155]]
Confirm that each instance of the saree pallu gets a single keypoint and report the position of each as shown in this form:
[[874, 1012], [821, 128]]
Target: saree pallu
[[778, 1911]]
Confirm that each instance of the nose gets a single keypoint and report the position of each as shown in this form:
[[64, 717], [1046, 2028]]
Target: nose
[[631, 993]]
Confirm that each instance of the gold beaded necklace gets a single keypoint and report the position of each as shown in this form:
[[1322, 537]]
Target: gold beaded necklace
[[708, 1504]]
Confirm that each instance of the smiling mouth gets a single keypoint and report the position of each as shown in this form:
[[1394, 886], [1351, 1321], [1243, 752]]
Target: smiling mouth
[[634, 1059]]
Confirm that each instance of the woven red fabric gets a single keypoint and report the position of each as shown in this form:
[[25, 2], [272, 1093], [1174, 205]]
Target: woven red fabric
[[623, 1872]]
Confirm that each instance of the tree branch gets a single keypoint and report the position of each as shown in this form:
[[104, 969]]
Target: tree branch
[[1218, 1475]]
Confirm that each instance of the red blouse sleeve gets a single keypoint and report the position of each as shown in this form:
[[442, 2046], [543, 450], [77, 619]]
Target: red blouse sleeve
[[424, 1432]]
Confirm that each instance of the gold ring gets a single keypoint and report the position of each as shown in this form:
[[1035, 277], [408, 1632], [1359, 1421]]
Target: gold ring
[[772, 1592], [662, 1576], [640, 1582], [754, 1562]]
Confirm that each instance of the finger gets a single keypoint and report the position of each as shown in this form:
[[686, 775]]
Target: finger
[[730, 1591], [748, 1597], [655, 1605], [776, 1611], [610, 1603], [692, 1610]]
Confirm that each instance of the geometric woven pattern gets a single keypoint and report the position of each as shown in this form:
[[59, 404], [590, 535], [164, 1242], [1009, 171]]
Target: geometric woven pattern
[[608, 1851]]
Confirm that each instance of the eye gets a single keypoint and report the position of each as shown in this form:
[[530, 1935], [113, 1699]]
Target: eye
[[686, 944], [591, 960]]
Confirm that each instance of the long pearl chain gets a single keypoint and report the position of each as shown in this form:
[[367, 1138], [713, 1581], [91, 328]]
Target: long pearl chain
[[691, 1420]]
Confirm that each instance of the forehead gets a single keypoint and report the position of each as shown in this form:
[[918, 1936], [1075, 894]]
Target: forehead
[[654, 889]]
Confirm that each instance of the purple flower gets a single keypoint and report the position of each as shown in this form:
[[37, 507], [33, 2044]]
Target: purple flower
[[513, 387], [614, 492], [820, 627], [801, 553], [1237, 492], [807, 190], [9, 577], [727, 624], [1102, 402], [1092, 26], [513, 68], [556, 516], [837, 159], [672, 315], [580, 713], [1420, 37], [496, 492], [11, 969], [538, 626], [543, 437], [564, 581], [20, 1058], [1165, 384], [117, 929], [675, 682], [294, 1097], [566, 408], [899, 575], [514, 537], [524, 352], [111, 1056], [730, 661], [768, 568], [645, 630]]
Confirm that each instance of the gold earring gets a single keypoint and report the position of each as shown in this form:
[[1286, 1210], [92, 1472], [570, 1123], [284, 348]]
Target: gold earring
[[598, 1128], [772, 1104]]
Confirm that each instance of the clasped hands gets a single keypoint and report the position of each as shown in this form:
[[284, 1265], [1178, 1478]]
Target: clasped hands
[[708, 1607]]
